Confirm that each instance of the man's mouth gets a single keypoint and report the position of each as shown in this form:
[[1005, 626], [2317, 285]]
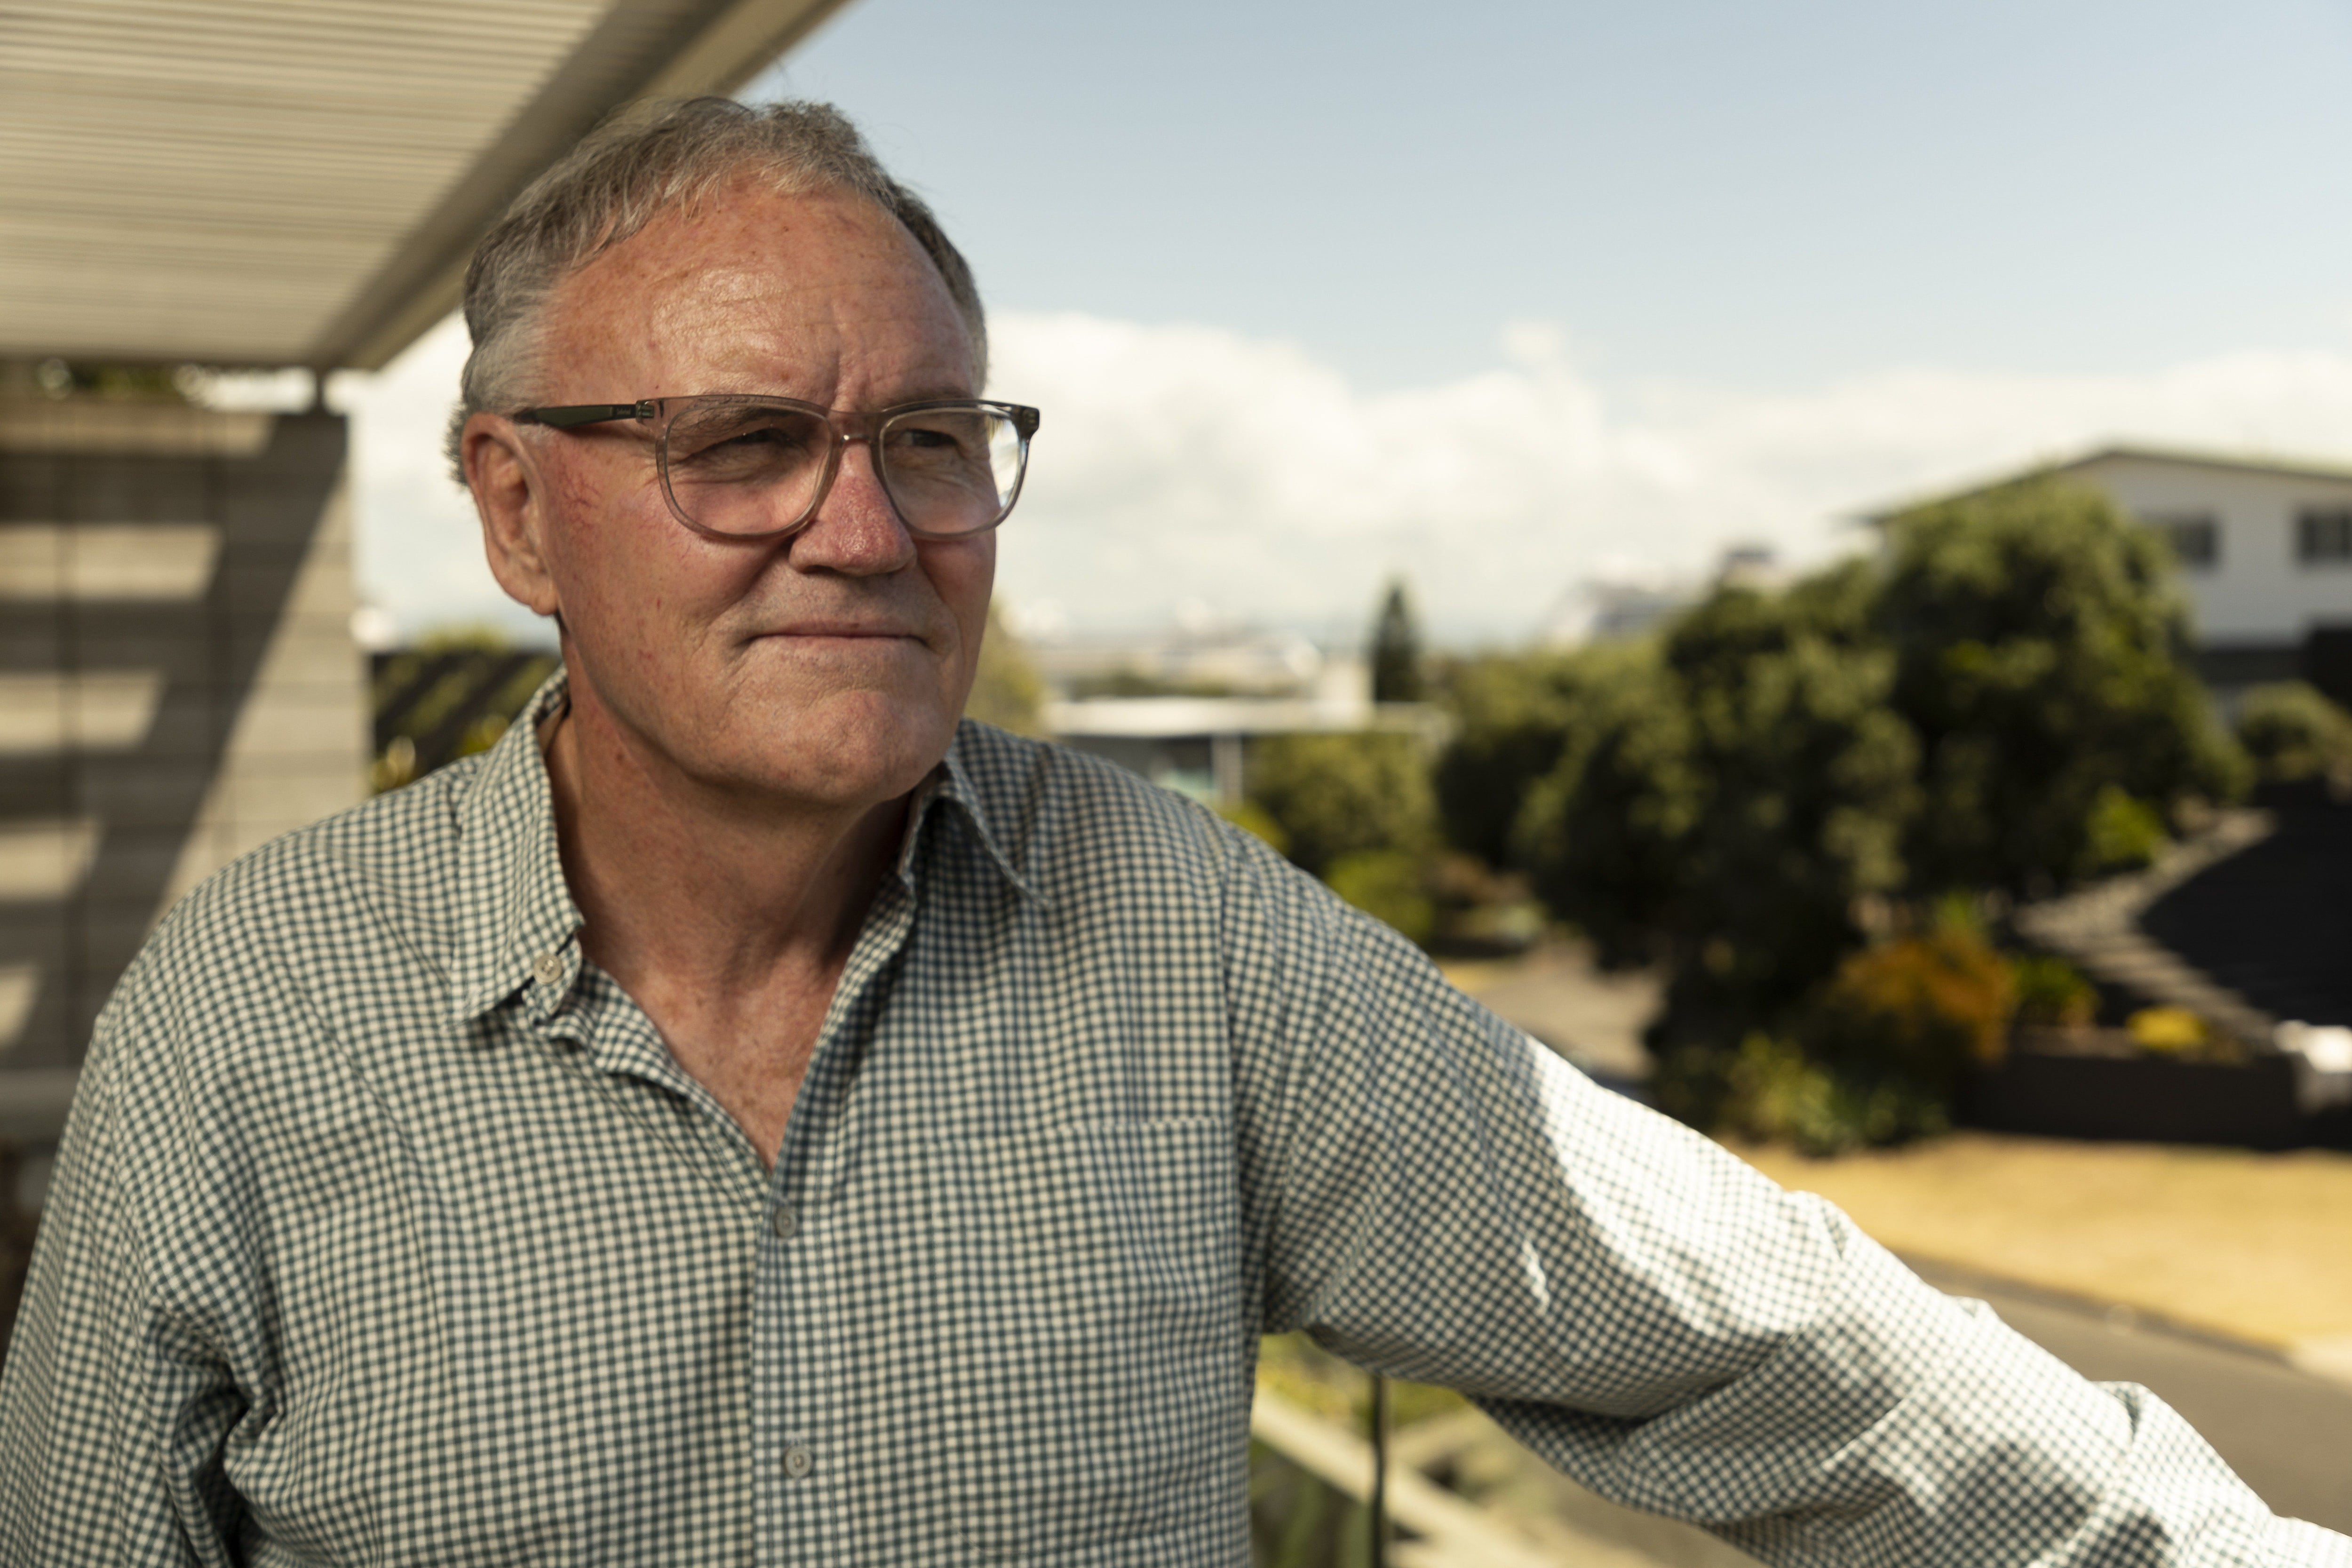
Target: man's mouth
[[839, 629]]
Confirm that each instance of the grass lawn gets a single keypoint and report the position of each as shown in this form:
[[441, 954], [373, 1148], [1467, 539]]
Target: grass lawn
[[2256, 1247]]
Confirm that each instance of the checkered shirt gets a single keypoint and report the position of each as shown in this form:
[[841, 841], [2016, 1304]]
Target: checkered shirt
[[387, 1231]]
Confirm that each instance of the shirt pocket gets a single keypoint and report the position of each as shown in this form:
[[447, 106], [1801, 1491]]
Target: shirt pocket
[[1092, 1368]]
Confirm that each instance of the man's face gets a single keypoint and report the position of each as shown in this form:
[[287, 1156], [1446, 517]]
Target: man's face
[[827, 668]]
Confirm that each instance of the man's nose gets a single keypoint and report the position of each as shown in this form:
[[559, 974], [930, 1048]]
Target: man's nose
[[856, 531]]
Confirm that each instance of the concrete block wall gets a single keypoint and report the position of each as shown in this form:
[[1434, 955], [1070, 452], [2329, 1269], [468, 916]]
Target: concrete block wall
[[178, 684]]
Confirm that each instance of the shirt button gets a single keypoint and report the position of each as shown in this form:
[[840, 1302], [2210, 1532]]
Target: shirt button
[[547, 969], [798, 1461], [782, 1220]]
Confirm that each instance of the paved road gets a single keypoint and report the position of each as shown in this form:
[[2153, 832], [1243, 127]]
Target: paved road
[[2289, 1434], [1594, 1019]]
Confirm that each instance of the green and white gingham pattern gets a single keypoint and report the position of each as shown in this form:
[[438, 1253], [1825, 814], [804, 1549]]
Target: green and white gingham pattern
[[386, 1231]]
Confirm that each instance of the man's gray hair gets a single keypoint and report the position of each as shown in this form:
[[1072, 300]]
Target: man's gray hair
[[635, 166]]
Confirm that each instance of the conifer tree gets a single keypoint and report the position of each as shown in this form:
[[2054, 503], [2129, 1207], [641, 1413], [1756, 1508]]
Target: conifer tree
[[1396, 649]]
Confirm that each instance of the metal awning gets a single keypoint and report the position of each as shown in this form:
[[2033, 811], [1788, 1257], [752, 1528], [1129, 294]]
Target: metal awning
[[267, 183]]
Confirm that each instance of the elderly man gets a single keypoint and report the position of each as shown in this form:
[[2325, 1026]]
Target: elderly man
[[748, 1118]]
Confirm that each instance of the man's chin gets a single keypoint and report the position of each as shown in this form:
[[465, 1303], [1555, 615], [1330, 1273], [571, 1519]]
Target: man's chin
[[856, 749]]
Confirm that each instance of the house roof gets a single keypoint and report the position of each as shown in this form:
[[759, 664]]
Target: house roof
[[2285, 468], [253, 183]]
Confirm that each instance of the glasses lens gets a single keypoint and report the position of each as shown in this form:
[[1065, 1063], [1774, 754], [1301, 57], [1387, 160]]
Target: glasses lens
[[952, 471], [742, 467]]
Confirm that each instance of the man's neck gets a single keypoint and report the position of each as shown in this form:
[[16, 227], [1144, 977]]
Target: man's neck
[[700, 879], [728, 920]]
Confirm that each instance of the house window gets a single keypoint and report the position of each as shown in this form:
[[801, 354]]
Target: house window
[[2322, 536], [2195, 537]]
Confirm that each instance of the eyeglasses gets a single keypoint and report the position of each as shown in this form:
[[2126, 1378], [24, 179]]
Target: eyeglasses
[[736, 466]]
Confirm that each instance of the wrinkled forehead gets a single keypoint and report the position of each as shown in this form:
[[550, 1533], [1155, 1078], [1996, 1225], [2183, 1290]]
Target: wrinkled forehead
[[750, 287]]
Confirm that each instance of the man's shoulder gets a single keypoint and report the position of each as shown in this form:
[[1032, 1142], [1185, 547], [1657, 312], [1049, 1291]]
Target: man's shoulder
[[276, 953], [387, 865], [1062, 817], [407, 836]]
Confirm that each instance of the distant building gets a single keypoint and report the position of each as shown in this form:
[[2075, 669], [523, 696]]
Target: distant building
[[1599, 610], [1199, 745], [1201, 660], [1221, 692], [2265, 553], [1613, 609]]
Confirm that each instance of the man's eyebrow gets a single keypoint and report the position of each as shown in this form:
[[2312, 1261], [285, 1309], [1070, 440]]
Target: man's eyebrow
[[941, 394]]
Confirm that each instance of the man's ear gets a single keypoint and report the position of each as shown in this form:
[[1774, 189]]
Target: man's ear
[[511, 501]]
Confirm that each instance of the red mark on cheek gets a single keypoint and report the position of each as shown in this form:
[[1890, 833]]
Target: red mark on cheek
[[584, 495]]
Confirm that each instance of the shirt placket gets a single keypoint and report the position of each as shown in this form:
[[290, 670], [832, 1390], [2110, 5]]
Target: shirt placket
[[800, 1408]]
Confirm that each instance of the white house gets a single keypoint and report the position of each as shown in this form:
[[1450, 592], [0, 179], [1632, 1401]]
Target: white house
[[2266, 551]]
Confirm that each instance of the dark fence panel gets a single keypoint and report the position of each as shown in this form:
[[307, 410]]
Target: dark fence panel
[[2143, 1099]]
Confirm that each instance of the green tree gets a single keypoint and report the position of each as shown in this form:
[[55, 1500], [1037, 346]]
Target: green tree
[[1396, 649], [1338, 794], [2000, 704], [1389, 884], [2038, 645], [1512, 716], [2293, 732], [1730, 804], [1809, 781], [1604, 834]]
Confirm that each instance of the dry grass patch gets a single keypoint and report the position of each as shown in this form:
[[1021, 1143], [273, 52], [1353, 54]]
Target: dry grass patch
[[2258, 1246]]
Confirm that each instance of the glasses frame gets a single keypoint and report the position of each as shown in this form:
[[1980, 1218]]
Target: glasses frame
[[846, 425]]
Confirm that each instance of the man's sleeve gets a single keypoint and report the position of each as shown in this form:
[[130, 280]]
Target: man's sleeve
[[1433, 1196], [112, 1411]]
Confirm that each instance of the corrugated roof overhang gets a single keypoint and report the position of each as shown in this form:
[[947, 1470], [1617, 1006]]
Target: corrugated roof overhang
[[261, 181]]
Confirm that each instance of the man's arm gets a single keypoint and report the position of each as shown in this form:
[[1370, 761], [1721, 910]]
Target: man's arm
[[112, 1411], [1433, 1196]]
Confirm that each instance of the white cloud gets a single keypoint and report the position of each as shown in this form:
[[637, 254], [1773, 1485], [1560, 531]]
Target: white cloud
[[1186, 463], [419, 549], [1191, 465]]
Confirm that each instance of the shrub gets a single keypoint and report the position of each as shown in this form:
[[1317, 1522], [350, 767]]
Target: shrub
[[1775, 1093], [2168, 1031], [1479, 911], [1388, 885], [1336, 794], [1252, 819], [2053, 993], [1918, 1010], [2123, 833], [2293, 733], [1771, 1090]]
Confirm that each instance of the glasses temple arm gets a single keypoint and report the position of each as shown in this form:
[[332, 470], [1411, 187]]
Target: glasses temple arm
[[570, 414]]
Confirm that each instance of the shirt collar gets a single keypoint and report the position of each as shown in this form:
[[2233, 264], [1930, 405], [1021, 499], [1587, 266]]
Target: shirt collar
[[951, 784], [516, 912], [517, 924]]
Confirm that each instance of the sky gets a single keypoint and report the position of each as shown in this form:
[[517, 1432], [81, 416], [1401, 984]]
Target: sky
[[1517, 296]]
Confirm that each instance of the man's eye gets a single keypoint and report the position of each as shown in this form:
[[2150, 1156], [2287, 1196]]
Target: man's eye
[[757, 443], [745, 439], [930, 443]]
